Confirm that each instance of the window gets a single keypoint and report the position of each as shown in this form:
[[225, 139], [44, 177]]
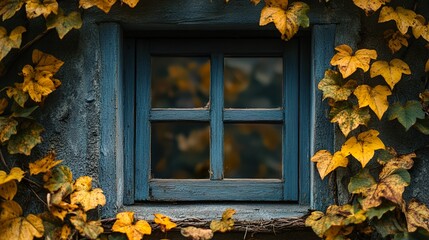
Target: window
[[216, 119]]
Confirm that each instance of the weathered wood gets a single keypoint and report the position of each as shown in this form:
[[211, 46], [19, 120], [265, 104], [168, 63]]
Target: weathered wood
[[221, 190], [179, 114], [253, 115]]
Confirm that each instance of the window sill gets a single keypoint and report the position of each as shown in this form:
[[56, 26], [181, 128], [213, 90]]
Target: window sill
[[253, 217]]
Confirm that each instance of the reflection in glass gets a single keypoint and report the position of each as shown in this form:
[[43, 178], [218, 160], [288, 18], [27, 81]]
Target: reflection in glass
[[253, 82], [180, 82], [253, 151], [180, 150]]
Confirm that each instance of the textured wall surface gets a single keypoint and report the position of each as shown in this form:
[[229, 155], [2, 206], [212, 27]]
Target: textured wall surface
[[73, 114]]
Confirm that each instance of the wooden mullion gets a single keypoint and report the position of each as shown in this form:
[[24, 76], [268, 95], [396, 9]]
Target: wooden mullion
[[291, 126], [253, 115], [143, 96], [216, 117], [179, 115]]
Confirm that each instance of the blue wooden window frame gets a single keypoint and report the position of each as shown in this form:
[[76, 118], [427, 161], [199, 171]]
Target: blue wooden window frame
[[294, 115]]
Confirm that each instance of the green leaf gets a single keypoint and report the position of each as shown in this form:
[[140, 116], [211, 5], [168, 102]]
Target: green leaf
[[408, 114], [26, 139], [64, 24], [58, 177], [17, 94], [388, 225], [361, 181], [334, 86], [23, 112], [379, 211], [422, 125], [7, 128]]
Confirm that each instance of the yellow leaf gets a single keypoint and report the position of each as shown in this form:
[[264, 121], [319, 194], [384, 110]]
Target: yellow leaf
[[44, 164], [17, 94], [375, 98], [104, 5], [363, 147], [404, 18], [327, 163], [57, 177], [60, 210], [286, 21], [255, 2], [349, 118], [8, 8], [427, 66], [89, 229], [62, 23], [334, 86], [7, 128], [36, 8], [37, 84], [394, 162], [348, 63], [125, 224], [164, 222], [12, 41], [417, 216], [276, 3], [86, 196], [396, 40], [370, 6], [196, 233], [420, 29], [15, 173], [3, 105], [225, 224], [46, 62], [131, 3], [14, 226], [391, 72], [8, 190]]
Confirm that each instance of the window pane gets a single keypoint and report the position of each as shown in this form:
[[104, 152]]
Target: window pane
[[180, 82], [253, 151], [253, 82], [180, 150]]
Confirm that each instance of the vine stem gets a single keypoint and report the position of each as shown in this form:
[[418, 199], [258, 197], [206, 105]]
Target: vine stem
[[3, 161], [32, 182], [38, 197]]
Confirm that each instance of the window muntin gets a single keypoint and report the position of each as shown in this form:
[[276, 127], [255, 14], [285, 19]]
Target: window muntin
[[219, 117]]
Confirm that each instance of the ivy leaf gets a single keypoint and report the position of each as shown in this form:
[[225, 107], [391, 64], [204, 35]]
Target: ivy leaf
[[427, 66], [14, 226], [19, 112], [370, 6], [348, 63], [35, 8], [89, 229], [378, 212], [62, 23], [333, 86], [8, 8], [375, 98], [361, 181], [46, 62], [12, 41], [417, 216], [420, 29], [350, 118], [125, 224], [17, 94], [131, 3], [395, 163], [363, 147], [3, 105], [422, 125], [286, 21], [326, 163], [59, 176], [396, 40], [164, 222], [408, 114], [37, 84], [388, 225], [196, 233], [8, 190], [225, 224], [7, 128], [26, 139], [44, 164], [104, 5], [391, 72], [86, 196], [404, 18], [15, 173]]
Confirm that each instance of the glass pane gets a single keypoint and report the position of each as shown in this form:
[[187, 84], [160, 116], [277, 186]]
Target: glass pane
[[180, 150], [253, 82], [253, 151], [180, 82]]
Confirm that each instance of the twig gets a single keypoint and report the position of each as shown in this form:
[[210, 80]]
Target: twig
[[3, 161], [38, 197], [33, 182]]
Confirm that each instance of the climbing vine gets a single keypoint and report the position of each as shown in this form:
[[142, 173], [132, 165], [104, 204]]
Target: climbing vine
[[353, 91]]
